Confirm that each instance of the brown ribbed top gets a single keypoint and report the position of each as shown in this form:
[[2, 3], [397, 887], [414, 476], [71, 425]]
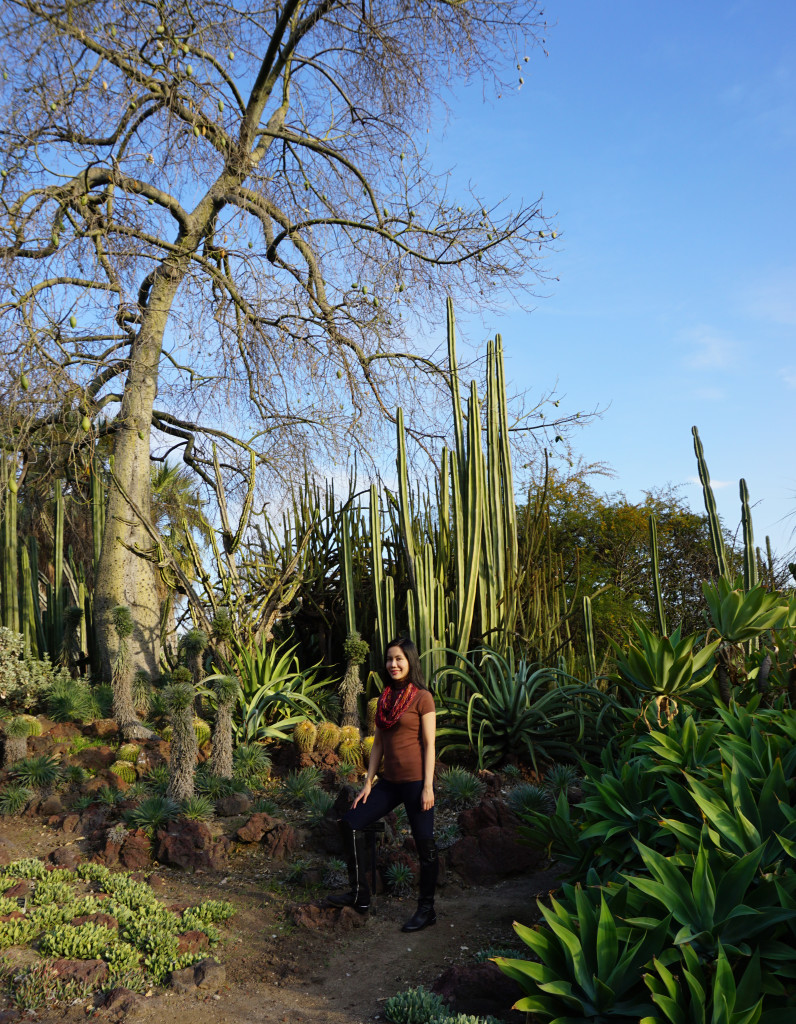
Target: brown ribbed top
[[403, 748]]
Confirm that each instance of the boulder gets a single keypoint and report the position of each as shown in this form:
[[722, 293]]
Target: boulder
[[136, 851], [65, 857], [210, 974], [95, 759], [102, 729], [99, 919], [90, 972], [192, 846], [232, 805], [24, 887], [256, 827], [495, 853], [335, 919], [109, 854], [71, 823], [281, 841], [183, 980], [65, 731], [119, 1002], [489, 812], [479, 989], [192, 942]]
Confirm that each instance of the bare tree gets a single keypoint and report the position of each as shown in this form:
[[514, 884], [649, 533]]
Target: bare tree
[[215, 218]]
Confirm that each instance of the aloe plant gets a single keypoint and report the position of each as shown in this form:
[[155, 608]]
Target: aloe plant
[[738, 616]]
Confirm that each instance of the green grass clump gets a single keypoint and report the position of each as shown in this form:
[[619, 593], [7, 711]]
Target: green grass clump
[[265, 805], [251, 763], [318, 803], [400, 879], [197, 808], [527, 798], [559, 779], [153, 813], [298, 784]]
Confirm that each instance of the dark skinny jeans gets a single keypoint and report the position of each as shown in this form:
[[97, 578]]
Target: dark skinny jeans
[[385, 797]]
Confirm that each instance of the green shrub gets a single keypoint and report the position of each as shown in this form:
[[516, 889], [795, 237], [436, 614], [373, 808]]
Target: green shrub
[[208, 784], [415, 1006], [109, 797], [71, 700], [459, 788]]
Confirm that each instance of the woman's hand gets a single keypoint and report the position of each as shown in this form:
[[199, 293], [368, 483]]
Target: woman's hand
[[427, 798], [363, 794]]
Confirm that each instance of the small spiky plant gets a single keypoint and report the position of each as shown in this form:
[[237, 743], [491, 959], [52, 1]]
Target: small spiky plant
[[373, 703], [128, 752], [367, 747], [351, 751], [193, 645], [16, 747], [305, 735], [184, 747], [226, 690], [327, 738]]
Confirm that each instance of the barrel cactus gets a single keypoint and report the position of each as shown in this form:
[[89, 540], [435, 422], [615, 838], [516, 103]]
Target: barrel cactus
[[327, 738], [350, 751], [202, 730], [123, 770], [33, 724], [367, 747], [129, 752], [349, 734], [305, 735], [371, 720]]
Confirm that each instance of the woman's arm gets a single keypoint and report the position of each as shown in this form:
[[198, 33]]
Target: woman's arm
[[428, 739], [373, 766]]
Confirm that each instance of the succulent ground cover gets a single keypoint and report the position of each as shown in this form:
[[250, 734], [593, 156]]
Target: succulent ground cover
[[93, 914]]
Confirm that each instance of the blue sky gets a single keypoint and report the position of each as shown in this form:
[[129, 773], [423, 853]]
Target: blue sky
[[663, 137]]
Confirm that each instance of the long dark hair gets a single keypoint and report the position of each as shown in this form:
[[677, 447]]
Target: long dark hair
[[412, 656]]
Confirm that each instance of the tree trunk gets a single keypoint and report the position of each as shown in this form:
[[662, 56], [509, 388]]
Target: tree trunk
[[350, 689], [122, 576], [221, 758]]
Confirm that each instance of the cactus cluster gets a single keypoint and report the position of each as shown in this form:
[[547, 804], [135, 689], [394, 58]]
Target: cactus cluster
[[328, 737]]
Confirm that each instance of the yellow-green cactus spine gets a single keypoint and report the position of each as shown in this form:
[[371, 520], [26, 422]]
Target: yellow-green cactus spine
[[367, 747], [124, 770], [202, 730], [371, 721], [129, 752], [350, 751], [349, 734]]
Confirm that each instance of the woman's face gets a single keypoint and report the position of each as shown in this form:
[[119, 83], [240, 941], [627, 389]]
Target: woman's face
[[397, 665]]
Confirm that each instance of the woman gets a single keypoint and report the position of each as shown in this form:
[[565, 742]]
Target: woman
[[405, 735]]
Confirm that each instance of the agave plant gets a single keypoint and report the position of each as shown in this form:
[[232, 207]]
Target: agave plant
[[738, 616], [509, 711], [589, 958]]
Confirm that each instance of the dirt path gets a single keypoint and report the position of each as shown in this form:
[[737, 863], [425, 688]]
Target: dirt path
[[277, 972]]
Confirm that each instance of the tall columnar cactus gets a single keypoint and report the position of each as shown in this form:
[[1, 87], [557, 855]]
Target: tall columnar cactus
[[749, 562], [226, 690], [383, 586], [588, 624], [10, 577], [122, 677], [716, 538], [184, 747], [97, 500], [660, 615]]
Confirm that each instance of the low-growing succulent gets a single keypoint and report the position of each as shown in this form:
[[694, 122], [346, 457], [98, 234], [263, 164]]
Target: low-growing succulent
[[464, 1018], [265, 805], [304, 735], [78, 942], [39, 772], [34, 725], [448, 835], [152, 814], [116, 834], [197, 808], [400, 879], [512, 772], [560, 778], [297, 784], [346, 771], [318, 803], [327, 737], [157, 779], [458, 787], [109, 797], [14, 798], [415, 1006], [128, 752], [251, 763], [527, 798], [16, 932]]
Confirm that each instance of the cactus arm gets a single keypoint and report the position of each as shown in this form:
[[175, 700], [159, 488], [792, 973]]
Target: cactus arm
[[656, 576], [347, 573], [749, 563], [714, 525]]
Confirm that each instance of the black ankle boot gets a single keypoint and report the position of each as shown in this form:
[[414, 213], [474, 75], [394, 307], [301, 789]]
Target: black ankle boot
[[425, 914], [358, 896]]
